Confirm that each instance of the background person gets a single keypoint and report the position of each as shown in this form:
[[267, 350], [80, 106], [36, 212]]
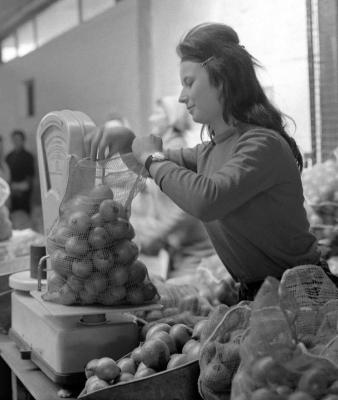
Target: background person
[[21, 165], [244, 182]]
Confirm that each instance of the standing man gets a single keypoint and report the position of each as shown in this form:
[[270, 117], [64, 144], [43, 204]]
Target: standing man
[[21, 165]]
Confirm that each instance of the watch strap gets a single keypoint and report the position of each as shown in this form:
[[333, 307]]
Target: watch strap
[[148, 162]]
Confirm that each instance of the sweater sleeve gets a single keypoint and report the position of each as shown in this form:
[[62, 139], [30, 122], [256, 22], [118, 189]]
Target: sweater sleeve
[[185, 157], [254, 167]]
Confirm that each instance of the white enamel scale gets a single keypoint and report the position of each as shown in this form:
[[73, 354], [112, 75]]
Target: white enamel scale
[[62, 339]]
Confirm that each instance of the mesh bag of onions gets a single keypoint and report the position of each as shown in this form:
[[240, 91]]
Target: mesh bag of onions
[[92, 253], [277, 363]]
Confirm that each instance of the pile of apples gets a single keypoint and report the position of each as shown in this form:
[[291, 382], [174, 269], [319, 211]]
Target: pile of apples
[[165, 347], [93, 256]]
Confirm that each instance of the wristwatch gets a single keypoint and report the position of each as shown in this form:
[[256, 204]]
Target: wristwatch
[[155, 157]]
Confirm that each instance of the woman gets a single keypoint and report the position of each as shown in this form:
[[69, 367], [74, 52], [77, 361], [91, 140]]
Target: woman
[[158, 221], [244, 183]]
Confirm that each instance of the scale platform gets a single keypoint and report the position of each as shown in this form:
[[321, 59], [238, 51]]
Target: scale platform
[[58, 310], [61, 340]]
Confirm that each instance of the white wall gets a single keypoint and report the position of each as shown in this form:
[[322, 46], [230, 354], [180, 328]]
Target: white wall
[[92, 68], [274, 31], [126, 57]]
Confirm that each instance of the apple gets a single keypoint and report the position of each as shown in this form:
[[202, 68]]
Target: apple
[[96, 284], [137, 272], [75, 283], [141, 366], [107, 369], [90, 367], [76, 247], [149, 291], [226, 293], [62, 233], [120, 229], [127, 364], [103, 260], [155, 354], [126, 251], [97, 220], [166, 338], [144, 372], [176, 360], [135, 296], [101, 192], [198, 328], [87, 297], [136, 355], [124, 377], [189, 345], [181, 334], [157, 327], [66, 296], [82, 268], [113, 295], [79, 222], [98, 238], [118, 276], [55, 282], [192, 351], [79, 203], [110, 210], [61, 262], [94, 383]]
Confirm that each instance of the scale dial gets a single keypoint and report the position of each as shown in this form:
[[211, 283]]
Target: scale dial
[[60, 134]]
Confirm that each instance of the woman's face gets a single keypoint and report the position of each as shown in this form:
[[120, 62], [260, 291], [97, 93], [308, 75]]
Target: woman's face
[[158, 121], [200, 97]]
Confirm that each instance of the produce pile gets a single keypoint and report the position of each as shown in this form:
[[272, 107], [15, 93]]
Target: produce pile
[[281, 346], [164, 347], [287, 354], [93, 256], [320, 185]]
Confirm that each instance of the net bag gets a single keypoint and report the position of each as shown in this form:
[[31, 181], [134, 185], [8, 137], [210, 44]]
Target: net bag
[[275, 363], [220, 352], [92, 253]]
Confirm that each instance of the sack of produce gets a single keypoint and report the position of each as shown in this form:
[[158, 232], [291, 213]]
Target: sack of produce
[[93, 256], [275, 364], [220, 352], [320, 182]]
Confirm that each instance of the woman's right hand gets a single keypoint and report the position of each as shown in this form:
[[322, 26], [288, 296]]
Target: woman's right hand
[[115, 139]]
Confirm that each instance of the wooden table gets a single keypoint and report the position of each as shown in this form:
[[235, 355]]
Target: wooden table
[[13, 370]]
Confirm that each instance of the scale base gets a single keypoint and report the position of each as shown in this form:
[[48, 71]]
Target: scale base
[[62, 346], [71, 380]]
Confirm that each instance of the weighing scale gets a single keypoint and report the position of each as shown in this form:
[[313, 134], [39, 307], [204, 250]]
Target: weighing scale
[[62, 339]]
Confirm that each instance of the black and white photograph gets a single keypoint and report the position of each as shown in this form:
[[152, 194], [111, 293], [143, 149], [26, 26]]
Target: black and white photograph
[[169, 199]]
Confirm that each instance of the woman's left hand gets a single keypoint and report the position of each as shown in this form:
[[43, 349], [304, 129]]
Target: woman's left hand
[[143, 146]]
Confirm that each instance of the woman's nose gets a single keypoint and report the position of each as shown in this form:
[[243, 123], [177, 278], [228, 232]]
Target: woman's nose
[[182, 97]]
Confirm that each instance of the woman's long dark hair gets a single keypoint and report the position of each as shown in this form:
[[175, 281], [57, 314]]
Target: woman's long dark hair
[[231, 67]]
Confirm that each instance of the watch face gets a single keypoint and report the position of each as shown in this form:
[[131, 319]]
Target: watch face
[[158, 156]]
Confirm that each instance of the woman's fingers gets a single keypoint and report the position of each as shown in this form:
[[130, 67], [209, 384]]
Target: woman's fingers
[[104, 142], [91, 142], [108, 145]]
